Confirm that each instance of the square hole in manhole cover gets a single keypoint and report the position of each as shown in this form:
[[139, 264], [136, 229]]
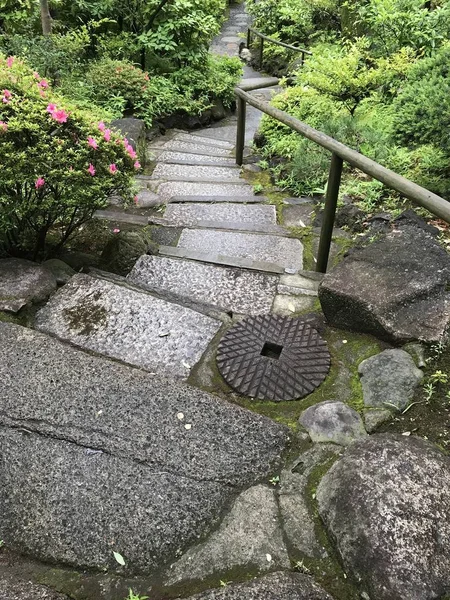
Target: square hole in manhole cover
[[272, 350]]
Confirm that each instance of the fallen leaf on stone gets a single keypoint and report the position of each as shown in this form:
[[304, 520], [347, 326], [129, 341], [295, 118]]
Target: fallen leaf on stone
[[188, 426], [119, 558], [268, 557], [164, 333], [406, 433], [344, 341], [291, 307], [185, 364], [180, 416], [116, 230]]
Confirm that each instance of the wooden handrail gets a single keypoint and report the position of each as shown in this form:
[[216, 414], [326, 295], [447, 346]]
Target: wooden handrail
[[340, 152], [278, 43]]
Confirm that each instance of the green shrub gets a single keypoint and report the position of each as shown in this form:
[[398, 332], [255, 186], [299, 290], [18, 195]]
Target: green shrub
[[58, 164]]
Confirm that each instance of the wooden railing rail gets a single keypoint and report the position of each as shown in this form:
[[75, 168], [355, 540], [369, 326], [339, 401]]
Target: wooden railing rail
[[252, 32]]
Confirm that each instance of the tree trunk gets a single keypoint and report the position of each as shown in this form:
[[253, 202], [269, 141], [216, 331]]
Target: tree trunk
[[46, 19]]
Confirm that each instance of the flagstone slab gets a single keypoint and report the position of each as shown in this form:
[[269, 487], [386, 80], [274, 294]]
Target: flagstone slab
[[190, 214], [230, 289], [195, 138], [128, 325], [286, 252], [169, 156], [99, 457], [194, 148], [169, 189], [189, 172]]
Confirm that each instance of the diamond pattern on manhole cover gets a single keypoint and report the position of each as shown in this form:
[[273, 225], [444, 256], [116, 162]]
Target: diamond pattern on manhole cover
[[273, 358]]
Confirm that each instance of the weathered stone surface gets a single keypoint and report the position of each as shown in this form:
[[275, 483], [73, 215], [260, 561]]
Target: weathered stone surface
[[61, 270], [190, 214], [387, 505], [250, 538], [194, 148], [335, 422], [287, 305], [394, 288], [23, 282], [219, 198], [201, 138], [192, 188], [277, 586], [375, 418], [128, 325], [389, 379], [300, 215], [297, 516], [169, 156], [123, 250], [134, 131], [195, 172], [98, 456], [286, 252], [12, 588], [229, 289]]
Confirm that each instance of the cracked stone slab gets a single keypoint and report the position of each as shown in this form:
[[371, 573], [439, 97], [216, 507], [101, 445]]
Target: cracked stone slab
[[250, 537], [23, 282], [169, 156], [276, 586], [285, 252], [193, 148], [188, 172], [128, 325], [229, 289], [170, 189], [107, 457], [190, 214]]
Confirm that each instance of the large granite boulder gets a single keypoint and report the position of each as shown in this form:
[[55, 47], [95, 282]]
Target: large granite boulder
[[395, 288], [98, 457], [277, 586], [12, 588], [134, 131], [386, 503], [23, 282]]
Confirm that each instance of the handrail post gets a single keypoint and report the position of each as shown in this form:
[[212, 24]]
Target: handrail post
[[331, 198], [261, 50], [240, 136], [303, 59], [249, 37]]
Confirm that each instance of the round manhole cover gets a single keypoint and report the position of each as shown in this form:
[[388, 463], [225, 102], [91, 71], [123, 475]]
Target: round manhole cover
[[273, 358]]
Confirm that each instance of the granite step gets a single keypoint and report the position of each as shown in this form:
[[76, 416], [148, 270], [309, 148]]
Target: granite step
[[229, 289], [198, 138], [189, 214], [191, 147], [212, 199], [196, 173], [285, 252], [168, 190], [184, 158], [129, 325]]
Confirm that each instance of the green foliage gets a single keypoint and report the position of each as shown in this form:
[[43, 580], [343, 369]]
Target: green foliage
[[51, 178], [133, 596]]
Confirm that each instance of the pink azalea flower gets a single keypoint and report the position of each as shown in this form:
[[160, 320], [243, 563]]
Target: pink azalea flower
[[131, 152], [136, 199], [60, 116], [91, 169], [42, 94], [43, 84], [107, 135], [10, 61], [36, 75], [51, 108], [137, 165], [92, 143], [112, 169], [40, 181], [6, 96], [3, 126], [101, 126], [116, 230]]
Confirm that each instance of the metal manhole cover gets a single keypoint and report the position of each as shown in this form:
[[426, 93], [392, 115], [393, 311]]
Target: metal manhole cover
[[273, 358]]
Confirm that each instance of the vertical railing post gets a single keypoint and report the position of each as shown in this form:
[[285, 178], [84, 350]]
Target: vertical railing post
[[303, 58], [331, 198], [261, 51], [249, 38], [240, 136]]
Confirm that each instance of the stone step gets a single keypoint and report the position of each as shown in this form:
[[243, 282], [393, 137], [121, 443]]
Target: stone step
[[221, 259], [121, 217], [168, 190], [196, 173], [129, 325], [184, 158], [226, 133], [282, 251], [222, 199], [199, 138], [192, 148], [228, 289], [190, 214]]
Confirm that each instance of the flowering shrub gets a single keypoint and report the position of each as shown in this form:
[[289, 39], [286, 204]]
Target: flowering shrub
[[58, 164]]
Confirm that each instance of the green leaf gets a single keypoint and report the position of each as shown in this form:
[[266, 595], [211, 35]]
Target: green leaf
[[119, 558]]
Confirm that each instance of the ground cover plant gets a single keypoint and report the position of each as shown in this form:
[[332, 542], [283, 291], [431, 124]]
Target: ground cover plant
[[378, 81]]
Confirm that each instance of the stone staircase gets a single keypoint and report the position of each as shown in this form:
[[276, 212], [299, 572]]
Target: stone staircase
[[227, 257]]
